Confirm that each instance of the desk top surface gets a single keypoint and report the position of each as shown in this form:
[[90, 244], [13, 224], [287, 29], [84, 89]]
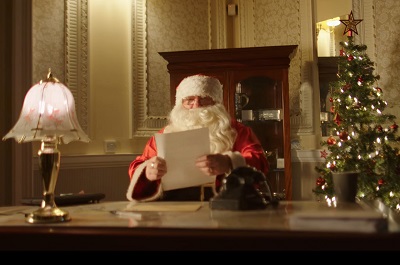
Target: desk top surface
[[287, 216], [292, 225]]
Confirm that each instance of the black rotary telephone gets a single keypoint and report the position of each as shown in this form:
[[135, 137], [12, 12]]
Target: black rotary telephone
[[245, 188]]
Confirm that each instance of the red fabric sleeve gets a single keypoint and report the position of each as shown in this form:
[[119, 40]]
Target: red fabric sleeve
[[250, 147], [144, 188]]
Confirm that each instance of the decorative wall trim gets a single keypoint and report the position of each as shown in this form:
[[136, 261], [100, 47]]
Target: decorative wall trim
[[364, 9], [304, 122], [246, 23], [142, 124], [308, 68], [77, 57], [217, 21]]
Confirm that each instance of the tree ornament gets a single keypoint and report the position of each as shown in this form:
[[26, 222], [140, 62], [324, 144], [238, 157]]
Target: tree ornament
[[350, 58], [331, 140], [394, 127], [346, 87], [342, 53], [381, 181], [331, 99], [378, 89], [332, 167], [350, 24], [320, 181], [343, 136], [379, 128], [337, 119], [332, 109], [323, 153]]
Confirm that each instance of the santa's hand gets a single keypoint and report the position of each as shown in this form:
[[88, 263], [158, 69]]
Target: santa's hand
[[156, 168], [215, 164]]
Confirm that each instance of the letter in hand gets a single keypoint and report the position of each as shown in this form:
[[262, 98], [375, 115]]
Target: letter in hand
[[214, 164]]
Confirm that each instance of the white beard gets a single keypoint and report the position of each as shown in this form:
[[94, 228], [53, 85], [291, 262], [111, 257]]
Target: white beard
[[215, 117]]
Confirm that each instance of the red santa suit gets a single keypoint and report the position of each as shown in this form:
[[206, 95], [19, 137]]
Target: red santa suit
[[246, 149]]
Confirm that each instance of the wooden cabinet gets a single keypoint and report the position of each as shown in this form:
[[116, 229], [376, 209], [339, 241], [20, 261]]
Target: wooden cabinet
[[262, 73]]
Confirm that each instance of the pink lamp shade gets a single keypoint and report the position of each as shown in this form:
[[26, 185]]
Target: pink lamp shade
[[48, 111]]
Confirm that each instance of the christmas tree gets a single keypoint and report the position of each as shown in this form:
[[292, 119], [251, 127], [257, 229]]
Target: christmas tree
[[362, 136]]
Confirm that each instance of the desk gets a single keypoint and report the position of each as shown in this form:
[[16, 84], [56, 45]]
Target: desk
[[93, 227]]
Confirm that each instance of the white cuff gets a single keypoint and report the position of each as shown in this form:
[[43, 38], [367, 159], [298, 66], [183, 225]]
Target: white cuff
[[237, 159], [133, 182]]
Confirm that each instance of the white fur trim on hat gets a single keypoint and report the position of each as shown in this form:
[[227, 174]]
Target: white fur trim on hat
[[199, 85]]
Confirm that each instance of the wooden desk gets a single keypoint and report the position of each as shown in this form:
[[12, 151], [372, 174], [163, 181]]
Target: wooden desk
[[93, 227]]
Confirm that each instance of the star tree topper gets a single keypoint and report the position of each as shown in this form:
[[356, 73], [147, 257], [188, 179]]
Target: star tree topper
[[351, 24]]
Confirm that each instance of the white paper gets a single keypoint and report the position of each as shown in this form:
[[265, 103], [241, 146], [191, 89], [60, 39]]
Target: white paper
[[180, 151], [351, 221]]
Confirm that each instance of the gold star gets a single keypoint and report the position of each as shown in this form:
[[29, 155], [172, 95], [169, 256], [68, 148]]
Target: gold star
[[350, 24]]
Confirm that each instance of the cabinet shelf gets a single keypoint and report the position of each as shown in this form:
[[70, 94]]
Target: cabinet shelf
[[262, 122]]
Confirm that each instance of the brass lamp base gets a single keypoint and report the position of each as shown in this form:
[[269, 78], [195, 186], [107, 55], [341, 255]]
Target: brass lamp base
[[49, 163], [48, 215]]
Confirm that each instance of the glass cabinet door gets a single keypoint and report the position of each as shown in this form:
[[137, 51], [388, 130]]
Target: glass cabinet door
[[258, 104]]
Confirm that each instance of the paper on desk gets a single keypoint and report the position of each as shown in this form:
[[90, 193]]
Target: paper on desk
[[180, 150], [164, 207], [351, 221]]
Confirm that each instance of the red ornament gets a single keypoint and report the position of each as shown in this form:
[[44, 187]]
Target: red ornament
[[343, 136], [378, 89], [360, 80], [350, 58], [324, 154], [337, 119], [394, 126], [331, 140], [320, 181], [330, 99], [379, 128], [346, 87], [332, 109], [332, 167], [342, 53], [381, 181]]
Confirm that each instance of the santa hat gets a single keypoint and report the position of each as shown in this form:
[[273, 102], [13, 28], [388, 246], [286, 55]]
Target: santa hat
[[199, 85]]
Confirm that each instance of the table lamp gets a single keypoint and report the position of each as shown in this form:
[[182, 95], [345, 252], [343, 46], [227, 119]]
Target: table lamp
[[48, 115]]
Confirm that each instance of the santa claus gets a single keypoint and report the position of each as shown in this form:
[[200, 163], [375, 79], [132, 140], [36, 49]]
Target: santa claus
[[198, 103]]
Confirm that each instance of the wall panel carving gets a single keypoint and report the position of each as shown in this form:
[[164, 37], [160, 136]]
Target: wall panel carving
[[156, 30], [77, 56]]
